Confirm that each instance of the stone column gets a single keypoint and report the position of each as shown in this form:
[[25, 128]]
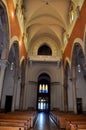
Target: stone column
[[65, 94], [21, 96], [3, 65], [26, 85], [65, 98], [15, 88], [74, 90]]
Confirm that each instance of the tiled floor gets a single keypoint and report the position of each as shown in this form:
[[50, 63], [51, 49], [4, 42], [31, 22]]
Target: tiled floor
[[44, 122]]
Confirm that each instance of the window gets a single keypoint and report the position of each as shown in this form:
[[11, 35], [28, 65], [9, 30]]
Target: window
[[43, 88], [42, 103]]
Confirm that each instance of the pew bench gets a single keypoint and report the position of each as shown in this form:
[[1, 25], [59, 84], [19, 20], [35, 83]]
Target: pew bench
[[16, 119], [62, 117], [68, 122], [78, 126], [11, 128], [29, 114], [23, 116]]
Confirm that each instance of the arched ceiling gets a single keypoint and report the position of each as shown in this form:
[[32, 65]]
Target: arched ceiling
[[46, 18]]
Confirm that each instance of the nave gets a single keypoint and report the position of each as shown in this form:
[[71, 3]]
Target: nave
[[44, 122]]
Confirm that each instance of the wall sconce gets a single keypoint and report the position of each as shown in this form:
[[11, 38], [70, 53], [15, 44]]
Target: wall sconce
[[79, 68], [12, 66]]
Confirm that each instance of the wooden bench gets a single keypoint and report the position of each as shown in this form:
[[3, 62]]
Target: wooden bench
[[11, 128], [62, 117], [71, 118], [13, 125], [78, 126], [17, 119], [30, 114], [68, 123]]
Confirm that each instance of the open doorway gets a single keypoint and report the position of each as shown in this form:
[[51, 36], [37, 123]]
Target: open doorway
[[43, 93], [8, 103]]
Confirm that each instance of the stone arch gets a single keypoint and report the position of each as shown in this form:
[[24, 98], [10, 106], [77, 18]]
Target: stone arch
[[50, 42], [4, 32], [76, 51], [12, 75], [79, 42], [44, 50], [43, 102], [78, 70]]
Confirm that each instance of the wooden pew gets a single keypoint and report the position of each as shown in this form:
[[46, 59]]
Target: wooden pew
[[71, 118], [78, 126], [26, 117], [10, 128], [60, 118], [72, 121], [82, 129], [16, 118], [32, 115], [29, 114], [14, 123], [63, 116]]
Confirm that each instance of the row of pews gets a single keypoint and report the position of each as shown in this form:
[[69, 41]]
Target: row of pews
[[68, 120], [18, 120]]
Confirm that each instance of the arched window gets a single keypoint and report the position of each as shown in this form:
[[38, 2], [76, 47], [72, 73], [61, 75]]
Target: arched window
[[43, 93], [44, 50], [4, 31]]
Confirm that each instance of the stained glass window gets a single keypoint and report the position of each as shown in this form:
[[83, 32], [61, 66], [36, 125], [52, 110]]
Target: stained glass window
[[43, 88], [42, 103]]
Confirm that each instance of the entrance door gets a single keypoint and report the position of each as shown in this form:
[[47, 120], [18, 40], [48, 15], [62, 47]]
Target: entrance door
[[43, 93], [8, 103], [43, 103]]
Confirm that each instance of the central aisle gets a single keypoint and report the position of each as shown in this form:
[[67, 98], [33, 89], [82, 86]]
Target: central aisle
[[44, 122]]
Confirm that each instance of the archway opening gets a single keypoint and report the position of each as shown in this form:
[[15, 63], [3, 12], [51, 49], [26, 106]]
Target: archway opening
[[79, 78], [11, 74], [43, 93], [44, 50], [4, 32]]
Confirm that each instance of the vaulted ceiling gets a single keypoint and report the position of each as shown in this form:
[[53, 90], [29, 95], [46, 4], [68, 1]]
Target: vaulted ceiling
[[45, 22]]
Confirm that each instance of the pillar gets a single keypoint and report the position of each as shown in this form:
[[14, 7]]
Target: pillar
[[74, 90], [65, 98], [15, 88], [3, 65]]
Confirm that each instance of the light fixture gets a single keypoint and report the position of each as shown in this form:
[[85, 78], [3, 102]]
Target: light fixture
[[12, 66], [79, 68]]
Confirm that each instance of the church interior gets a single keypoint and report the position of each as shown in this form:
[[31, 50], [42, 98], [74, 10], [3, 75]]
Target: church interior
[[42, 64]]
